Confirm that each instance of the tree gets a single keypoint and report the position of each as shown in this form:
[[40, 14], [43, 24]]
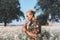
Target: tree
[[49, 7], [42, 19], [10, 10]]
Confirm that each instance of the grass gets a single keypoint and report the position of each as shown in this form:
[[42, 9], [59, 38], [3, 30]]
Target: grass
[[15, 33]]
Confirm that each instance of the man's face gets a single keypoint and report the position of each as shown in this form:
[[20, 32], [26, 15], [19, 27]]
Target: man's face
[[29, 15]]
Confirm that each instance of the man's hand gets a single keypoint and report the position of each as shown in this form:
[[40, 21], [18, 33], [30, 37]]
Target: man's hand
[[31, 34]]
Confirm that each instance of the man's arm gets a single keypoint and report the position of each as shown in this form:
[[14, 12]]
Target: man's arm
[[33, 35], [24, 28]]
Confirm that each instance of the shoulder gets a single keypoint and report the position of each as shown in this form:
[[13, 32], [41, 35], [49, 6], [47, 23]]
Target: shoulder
[[26, 21]]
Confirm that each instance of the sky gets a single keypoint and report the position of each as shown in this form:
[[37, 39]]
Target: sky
[[25, 6], [28, 5]]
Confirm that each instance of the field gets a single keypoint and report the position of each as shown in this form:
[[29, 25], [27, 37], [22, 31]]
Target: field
[[15, 33]]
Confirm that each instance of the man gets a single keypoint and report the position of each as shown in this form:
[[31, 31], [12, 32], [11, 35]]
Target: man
[[30, 31]]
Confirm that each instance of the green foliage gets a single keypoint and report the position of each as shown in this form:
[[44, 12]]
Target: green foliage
[[49, 7], [42, 19], [10, 10]]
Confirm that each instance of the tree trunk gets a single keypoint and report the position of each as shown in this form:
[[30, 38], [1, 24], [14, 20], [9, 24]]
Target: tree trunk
[[5, 24]]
